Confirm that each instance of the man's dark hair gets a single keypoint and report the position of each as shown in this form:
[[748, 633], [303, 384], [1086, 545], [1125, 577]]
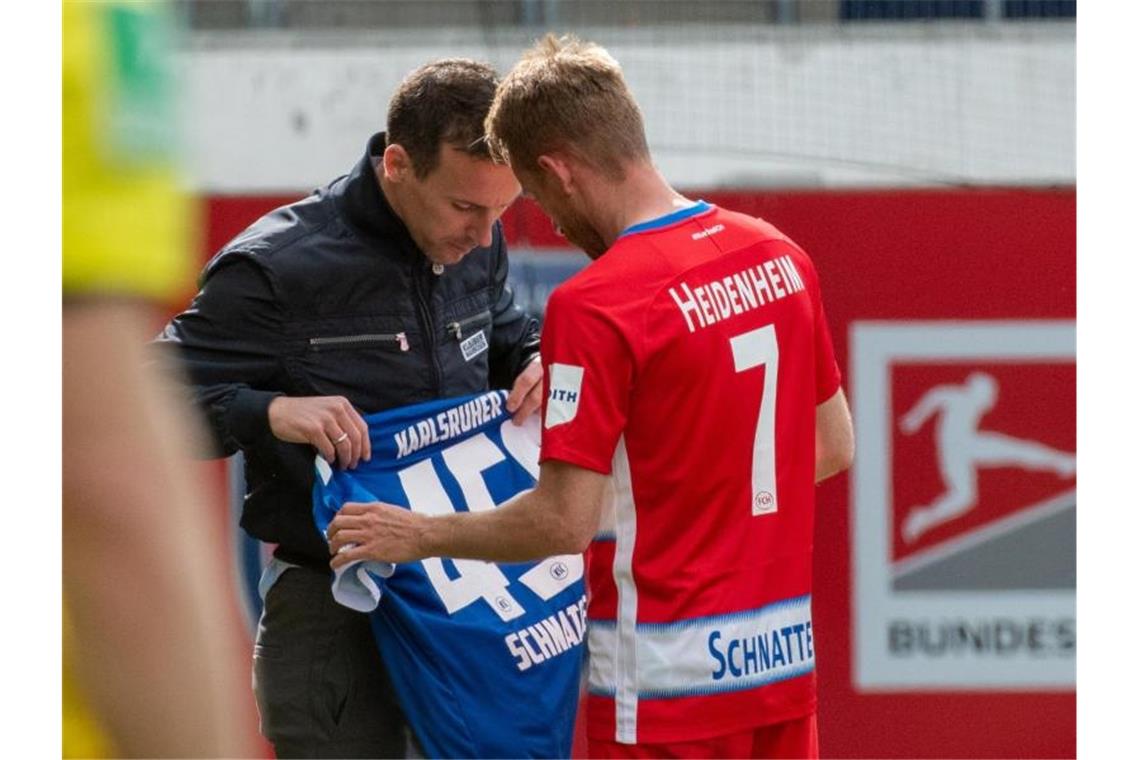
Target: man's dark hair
[[442, 102]]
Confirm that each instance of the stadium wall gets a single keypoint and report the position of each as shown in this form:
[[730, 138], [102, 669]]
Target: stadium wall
[[742, 106]]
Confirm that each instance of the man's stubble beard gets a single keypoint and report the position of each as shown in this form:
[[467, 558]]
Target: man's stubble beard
[[582, 234]]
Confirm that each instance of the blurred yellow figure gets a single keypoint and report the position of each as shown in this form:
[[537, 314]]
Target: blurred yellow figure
[[152, 661], [126, 225]]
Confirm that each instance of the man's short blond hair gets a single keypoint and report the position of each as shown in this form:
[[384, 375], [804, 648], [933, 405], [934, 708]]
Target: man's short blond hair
[[566, 94]]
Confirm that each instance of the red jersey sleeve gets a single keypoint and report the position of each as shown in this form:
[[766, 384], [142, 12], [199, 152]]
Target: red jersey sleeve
[[827, 376], [588, 365]]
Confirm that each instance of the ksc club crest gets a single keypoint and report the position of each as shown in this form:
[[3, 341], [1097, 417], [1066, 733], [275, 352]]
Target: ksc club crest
[[964, 505]]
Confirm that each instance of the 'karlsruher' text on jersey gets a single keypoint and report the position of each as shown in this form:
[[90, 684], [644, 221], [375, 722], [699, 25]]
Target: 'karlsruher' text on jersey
[[448, 425]]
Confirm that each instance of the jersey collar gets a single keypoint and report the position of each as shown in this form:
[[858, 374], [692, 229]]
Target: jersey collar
[[673, 217]]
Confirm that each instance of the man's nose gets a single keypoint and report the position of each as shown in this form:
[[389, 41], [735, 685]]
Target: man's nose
[[482, 229]]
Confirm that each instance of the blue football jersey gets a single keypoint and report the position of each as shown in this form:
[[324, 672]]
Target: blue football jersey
[[485, 657]]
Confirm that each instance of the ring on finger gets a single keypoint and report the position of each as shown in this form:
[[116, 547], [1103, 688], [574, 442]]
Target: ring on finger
[[340, 439]]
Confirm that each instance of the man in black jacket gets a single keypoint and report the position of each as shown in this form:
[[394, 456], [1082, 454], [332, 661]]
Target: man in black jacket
[[384, 288]]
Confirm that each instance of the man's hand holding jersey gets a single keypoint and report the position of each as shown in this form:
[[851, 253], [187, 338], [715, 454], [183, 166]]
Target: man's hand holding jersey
[[376, 531], [328, 423], [526, 394], [559, 516]]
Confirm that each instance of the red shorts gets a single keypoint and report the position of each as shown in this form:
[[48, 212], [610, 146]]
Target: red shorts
[[790, 739]]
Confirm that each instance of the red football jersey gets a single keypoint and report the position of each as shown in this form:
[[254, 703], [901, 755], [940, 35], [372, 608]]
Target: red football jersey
[[688, 362]]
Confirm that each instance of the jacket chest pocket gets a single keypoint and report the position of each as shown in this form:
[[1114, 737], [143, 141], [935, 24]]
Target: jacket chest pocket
[[471, 333], [373, 369], [394, 341]]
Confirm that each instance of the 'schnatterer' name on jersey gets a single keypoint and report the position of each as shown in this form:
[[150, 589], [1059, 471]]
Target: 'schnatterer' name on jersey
[[737, 293], [551, 636], [447, 425]]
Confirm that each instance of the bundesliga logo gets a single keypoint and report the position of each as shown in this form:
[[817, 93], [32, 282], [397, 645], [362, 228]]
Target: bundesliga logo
[[964, 504]]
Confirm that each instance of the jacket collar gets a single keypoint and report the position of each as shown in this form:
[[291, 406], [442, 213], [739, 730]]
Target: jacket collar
[[364, 202]]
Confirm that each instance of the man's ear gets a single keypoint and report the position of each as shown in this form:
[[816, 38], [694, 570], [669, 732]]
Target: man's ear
[[397, 163], [557, 170]]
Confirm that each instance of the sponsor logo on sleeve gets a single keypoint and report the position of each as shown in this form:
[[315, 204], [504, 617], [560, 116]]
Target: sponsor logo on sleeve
[[565, 392]]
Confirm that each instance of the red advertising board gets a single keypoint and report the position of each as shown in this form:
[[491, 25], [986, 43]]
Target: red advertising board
[[944, 576]]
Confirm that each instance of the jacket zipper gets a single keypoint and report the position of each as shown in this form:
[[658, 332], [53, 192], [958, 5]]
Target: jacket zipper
[[456, 328], [400, 339], [429, 328]]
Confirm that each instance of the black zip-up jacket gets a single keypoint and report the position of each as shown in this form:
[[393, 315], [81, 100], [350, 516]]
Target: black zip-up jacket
[[329, 296]]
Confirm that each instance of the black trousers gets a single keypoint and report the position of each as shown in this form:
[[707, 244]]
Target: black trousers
[[321, 687]]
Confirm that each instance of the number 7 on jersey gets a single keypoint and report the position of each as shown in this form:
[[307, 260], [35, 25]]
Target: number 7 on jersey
[[753, 349]]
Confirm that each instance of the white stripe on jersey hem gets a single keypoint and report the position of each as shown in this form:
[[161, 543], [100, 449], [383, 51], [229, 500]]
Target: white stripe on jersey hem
[[714, 654], [625, 514]]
